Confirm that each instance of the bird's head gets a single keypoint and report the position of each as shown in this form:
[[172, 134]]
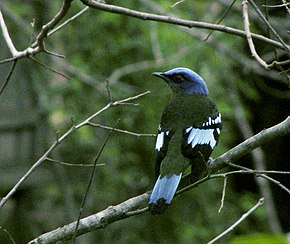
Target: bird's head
[[183, 80]]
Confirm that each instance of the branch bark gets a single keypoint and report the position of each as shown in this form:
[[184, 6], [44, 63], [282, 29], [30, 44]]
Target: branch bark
[[177, 21], [123, 210], [250, 144], [96, 221]]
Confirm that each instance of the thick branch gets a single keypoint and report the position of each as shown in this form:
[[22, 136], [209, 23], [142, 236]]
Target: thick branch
[[250, 144], [122, 211], [96, 221], [176, 21]]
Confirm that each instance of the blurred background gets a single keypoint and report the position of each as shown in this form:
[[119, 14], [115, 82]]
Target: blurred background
[[39, 105]]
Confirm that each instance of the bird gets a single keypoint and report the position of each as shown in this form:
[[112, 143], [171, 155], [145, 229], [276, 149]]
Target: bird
[[187, 134]]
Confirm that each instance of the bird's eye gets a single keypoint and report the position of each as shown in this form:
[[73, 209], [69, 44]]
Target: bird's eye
[[178, 78]]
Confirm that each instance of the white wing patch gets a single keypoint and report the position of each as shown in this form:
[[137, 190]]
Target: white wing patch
[[159, 141], [201, 137], [160, 138], [215, 121]]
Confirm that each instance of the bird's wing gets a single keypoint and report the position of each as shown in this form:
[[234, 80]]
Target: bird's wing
[[201, 139], [161, 146]]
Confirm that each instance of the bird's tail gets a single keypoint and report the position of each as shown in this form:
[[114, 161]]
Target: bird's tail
[[163, 193]]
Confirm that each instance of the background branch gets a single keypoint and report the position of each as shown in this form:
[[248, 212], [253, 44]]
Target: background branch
[[61, 139], [246, 215], [176, 21]]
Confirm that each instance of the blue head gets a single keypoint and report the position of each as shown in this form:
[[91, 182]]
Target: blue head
[[183, 80]]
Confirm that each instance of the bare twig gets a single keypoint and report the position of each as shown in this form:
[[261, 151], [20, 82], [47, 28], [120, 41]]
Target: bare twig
[[51, 24], [175, 4], [8, 234], [68, 21], [246, 215], [8, 76], [7, 37], [38, 46], [223, 16], [49, 68], [119, 130], [61, 139], [261, 173], [175, 21], [71, 165], [223, 195], [269, 25], [258, 159], [249, 36], [285, 4], [89, 183]]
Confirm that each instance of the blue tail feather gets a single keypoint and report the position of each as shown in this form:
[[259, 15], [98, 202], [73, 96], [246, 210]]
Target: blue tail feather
[[163, 193]]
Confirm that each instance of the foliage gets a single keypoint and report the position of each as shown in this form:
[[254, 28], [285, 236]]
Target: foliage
[[97, 44]]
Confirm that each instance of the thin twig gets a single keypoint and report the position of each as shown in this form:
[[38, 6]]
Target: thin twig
[[223, 16], [89, 184], [51, 24], [8, 76], [7, 37], [119, 130], [49, 68], [108, 90], [60, 140], [178, 2], [37, 46], [285, 4], [8, 234], [262, 175], [223, 195], [244, 216], [71, 165], [258, 158], [249, 36], [68, 21], [269, 25], [175, 21]]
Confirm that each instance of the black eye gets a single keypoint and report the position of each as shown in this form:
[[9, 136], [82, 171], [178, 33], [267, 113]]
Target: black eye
[[178, 78]]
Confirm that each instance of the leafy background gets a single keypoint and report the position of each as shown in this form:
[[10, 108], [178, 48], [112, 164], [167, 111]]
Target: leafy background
[[98, 44]]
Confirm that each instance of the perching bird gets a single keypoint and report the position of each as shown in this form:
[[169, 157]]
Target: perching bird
[[189, 131]]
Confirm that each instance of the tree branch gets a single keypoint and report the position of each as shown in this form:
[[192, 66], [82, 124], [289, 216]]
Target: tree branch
[[124, 210], [249, 36], [6, 36], [37, 46], [176, 21], [96, 221], [250, 144], [61, 139], [51, 24], [8, 76], [259, 203]]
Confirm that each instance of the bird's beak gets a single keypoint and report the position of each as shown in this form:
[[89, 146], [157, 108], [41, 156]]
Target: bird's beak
[[158, 74]]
